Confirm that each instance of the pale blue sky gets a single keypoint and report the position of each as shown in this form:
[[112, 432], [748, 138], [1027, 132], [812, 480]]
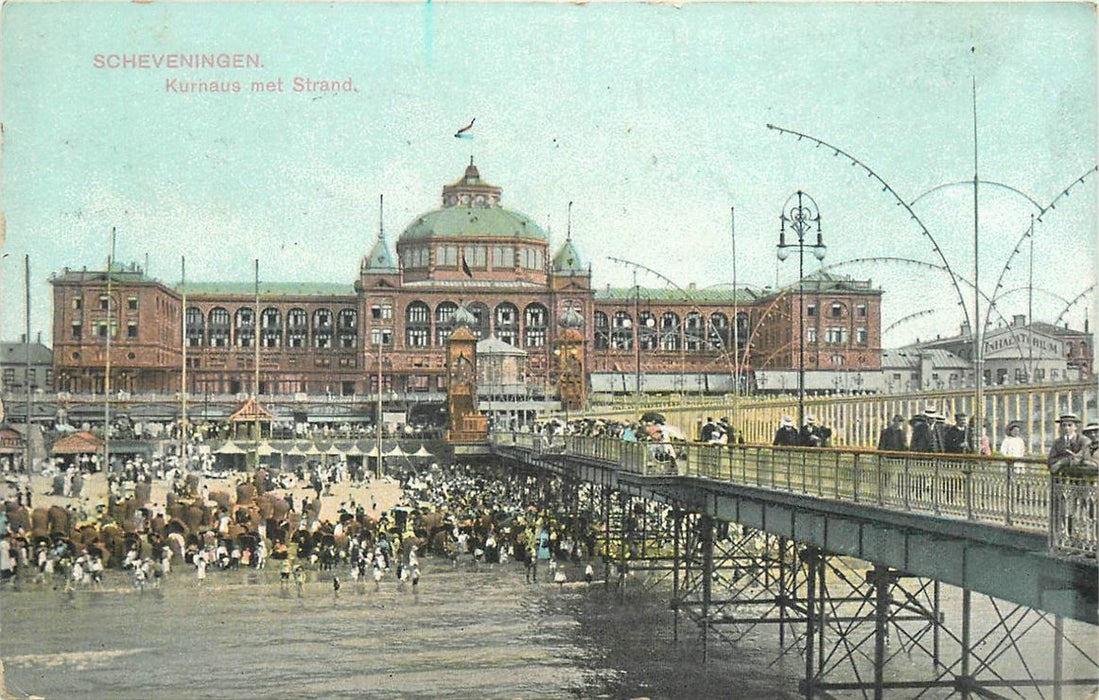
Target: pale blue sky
[[651, 119]]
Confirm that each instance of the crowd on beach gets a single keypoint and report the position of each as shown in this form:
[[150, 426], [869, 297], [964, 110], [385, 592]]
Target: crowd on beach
[[455, 512]]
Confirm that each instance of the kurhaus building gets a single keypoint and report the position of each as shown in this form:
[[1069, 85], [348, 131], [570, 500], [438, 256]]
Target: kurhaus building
[[324, 338]]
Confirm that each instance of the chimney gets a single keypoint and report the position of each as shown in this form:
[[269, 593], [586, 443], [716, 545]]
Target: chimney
[[965, 328], [39, 341], [691, 286], [1018, 320]]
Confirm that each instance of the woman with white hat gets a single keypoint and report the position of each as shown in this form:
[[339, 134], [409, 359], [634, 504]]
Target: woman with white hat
[[1013, 445]]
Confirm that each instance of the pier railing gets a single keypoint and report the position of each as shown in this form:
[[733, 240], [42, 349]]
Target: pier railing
[[1015, 493]]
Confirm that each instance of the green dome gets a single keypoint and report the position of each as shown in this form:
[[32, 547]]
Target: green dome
[[491, 222]]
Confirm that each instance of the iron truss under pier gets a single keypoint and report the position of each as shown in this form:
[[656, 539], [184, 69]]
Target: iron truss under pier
[[974, 595]]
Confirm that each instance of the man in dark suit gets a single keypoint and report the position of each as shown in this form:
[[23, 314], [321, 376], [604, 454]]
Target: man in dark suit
[[958, 438], [811, 434], [787, 434], [893, 437], [923, 431], [1068, 448]]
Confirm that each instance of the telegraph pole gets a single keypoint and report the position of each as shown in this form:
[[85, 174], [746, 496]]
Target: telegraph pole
[[27, 375], [255, 361], [107, 374], [736, 309], [183, 369], [978, 349]]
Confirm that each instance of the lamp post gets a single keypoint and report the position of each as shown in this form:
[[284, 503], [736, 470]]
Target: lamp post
[[801, 213]]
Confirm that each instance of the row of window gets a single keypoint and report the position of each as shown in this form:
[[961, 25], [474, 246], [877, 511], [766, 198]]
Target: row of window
[[77, 329], [104, 303], [30, 376], [327, 329], [695, 332], [836, 335], [836, 310], [475, 256], [504, 323]]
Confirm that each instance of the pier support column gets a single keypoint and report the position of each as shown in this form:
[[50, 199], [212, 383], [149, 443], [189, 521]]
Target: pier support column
[[677, 516], [882, 580], [811, 557], [706, 535]]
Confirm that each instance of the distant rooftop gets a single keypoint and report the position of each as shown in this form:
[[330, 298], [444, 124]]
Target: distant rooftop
[[309, 289], [713, 295], [120, 272], [16, 353]]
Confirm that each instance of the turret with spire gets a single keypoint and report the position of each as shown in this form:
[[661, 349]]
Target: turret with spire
[[567, 260], [379, 260]]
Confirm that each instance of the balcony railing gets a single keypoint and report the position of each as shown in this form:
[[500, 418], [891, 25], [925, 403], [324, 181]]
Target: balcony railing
[[1018, 494]]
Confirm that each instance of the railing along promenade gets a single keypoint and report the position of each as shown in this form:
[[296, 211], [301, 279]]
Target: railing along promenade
[[856, 420], [1017, 493]]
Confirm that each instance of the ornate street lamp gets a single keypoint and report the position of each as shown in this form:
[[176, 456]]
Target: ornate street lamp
[[801, 213]]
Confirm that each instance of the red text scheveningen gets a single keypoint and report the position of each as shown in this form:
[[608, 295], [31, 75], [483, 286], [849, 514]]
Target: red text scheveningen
[[176, 60]]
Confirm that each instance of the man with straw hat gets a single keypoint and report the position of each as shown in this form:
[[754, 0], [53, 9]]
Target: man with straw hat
[[1068, 448], [787, 434], [1090, 455]]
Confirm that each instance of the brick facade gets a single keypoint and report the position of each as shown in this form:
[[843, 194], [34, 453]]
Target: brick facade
[[324, 338]]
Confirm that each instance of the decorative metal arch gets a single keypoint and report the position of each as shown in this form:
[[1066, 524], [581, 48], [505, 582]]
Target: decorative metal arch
[[909, 317], [1030, 232], [886, 187], [1072, 303]]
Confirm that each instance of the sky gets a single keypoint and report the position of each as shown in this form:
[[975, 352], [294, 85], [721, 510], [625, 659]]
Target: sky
[[652, 120]]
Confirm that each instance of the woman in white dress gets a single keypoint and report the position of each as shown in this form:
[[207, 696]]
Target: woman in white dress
[[1013, 446]]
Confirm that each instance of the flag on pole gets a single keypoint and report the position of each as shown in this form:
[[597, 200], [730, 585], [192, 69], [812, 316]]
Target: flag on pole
[[465, 266]]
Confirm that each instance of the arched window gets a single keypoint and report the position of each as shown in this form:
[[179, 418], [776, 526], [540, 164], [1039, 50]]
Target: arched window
[[837, 310], [417, 325], [622, 331], [506, 323], [322, 328], [347, 327], [297, 327], [196, 327], [244, 327], [743, 330], [602, 331], [270, 328], [694, 331], [535, 319], [218, 327], [444, 321], [646, 330], [669, 331], [719, 333], [480, 328]]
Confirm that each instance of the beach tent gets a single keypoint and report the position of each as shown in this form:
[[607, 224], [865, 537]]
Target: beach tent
[[78, 443], [422, 452], [229, 448], [396, 452]]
